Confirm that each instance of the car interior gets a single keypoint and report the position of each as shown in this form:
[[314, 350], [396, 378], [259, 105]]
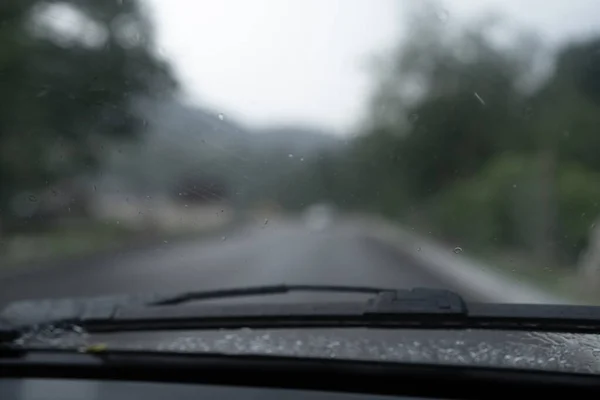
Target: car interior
[[52, 374]]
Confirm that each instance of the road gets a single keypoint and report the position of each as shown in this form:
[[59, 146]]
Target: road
[[284, 252]]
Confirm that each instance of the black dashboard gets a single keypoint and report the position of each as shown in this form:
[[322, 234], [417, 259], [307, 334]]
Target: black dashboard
[[70, 389], [49, 375]]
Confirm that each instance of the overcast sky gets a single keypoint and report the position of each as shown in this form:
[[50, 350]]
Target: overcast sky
[[303, 61]]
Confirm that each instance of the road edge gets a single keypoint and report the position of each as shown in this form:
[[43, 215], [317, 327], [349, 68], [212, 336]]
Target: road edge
[[460, 271]]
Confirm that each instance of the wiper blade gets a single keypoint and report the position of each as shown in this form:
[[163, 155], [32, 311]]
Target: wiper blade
[[155, 312], [262, 290], [418, 308]]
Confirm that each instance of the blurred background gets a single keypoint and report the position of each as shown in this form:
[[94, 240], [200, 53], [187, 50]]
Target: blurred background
[[142, 123]]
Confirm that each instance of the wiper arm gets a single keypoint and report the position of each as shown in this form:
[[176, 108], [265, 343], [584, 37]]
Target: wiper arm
[[418, 308], [155, 312], [262, 290]]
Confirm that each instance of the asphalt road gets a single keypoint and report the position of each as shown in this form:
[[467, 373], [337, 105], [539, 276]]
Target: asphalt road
[[275, 253]]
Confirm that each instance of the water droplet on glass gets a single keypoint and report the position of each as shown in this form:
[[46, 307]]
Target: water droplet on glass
[[165, 241], [32, 198], [290, 155], [221, 116], [94, 188], [413, 118], [418, 248], [442, 15], [478, 97], [224, 238], [266, 221], [457, 250], [566, 134], [514, 185], [301, 158]]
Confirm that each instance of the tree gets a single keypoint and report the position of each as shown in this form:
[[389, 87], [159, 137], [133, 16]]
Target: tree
[[70, 72]]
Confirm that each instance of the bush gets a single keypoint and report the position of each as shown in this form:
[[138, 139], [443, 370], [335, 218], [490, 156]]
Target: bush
[[578, 198], [481, 211], [501, 207]]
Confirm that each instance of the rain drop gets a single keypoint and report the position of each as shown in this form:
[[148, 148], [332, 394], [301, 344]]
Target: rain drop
[[457, 250], [224, 238], [413, 118], [418, 248], [266, 221], [221, 116], [94, 188], [514, 185], [32, 198], [165, 241], [301, 158], [290, 155], [478, 97]]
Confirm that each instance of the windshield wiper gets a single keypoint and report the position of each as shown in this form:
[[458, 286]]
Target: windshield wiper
[[260, 291], [386, 308], [160, 311]]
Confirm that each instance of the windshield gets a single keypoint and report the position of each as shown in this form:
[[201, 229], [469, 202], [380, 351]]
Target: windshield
[[163, 146]]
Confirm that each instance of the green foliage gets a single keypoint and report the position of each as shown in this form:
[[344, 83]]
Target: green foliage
[[478, 210], [485, 155], [578, 201], [68, 91]]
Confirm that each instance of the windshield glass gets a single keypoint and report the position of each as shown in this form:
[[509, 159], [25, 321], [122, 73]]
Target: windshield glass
[[163, 146]]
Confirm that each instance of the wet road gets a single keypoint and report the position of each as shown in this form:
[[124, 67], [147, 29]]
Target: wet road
[[275, 253]]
